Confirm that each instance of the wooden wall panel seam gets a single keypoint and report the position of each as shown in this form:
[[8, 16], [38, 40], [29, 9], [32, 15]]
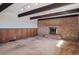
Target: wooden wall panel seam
[[11, 34]]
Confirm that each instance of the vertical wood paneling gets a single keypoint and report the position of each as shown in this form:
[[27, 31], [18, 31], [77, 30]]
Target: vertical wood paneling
[[20, 33], [23, 31], [26, 34], [5, 35], [35, 31], [0, 35], [32, 31], [12, 33], [28, 31]]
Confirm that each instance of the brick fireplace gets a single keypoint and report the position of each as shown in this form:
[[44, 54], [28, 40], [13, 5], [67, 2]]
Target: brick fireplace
[[67, 27], [48, 30]]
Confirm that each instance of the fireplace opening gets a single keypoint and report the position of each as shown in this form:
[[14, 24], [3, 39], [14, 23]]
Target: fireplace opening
[[52, 30]]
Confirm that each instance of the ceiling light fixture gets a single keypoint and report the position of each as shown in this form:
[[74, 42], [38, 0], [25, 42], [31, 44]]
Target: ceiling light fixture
[[22, 9], [26, 6], [29, 6]]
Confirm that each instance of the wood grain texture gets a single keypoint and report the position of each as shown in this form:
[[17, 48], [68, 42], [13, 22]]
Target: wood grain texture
[[20, 33]]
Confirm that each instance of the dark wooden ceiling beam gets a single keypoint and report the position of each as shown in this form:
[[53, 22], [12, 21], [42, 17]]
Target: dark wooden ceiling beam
[[3, 6], [44, 8], [56, 14]]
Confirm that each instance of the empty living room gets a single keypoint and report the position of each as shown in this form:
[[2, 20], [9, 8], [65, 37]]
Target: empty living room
[[39, 28]]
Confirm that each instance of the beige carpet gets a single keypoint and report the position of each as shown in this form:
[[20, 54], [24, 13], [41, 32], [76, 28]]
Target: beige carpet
[[30, 46]]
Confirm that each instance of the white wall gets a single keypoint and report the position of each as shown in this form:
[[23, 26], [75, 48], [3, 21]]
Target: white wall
[[9, 19]]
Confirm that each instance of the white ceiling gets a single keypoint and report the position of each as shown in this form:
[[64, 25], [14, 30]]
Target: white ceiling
[[33, 6], [65, 8], [16, 8]]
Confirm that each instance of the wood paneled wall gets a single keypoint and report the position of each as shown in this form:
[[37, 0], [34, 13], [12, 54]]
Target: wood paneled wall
[[19, 33]]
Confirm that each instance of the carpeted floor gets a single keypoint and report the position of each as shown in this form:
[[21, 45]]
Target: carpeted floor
[[40, 46], [30, 46]]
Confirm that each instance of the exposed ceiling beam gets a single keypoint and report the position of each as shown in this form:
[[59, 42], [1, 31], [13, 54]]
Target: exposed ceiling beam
[[56, 14], [3, 6], [44, 8]]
